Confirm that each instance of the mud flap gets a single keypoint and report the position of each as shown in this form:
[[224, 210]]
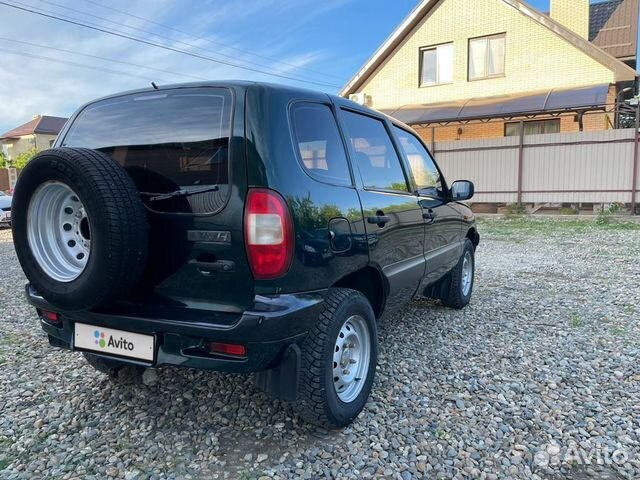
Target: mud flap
[[281, 382]]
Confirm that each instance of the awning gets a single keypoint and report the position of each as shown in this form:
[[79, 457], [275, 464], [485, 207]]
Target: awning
[[505, 106]]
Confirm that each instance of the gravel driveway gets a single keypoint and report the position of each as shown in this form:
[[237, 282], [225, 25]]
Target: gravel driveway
[[539, 374]]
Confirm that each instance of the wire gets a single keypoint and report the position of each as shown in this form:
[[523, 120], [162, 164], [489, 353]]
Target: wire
[[168, 48], [122, 62], [138, 30], [213, 42], [81, 65]]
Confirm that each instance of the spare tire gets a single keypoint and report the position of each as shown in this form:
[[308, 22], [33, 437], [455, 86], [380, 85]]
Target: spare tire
[[79, 228]]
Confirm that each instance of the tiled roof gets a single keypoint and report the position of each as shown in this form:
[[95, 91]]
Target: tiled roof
[[41, 124], [599, 14], [613, 26]]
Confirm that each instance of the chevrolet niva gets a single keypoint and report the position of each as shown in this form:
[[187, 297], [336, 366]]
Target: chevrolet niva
[[240, 227]]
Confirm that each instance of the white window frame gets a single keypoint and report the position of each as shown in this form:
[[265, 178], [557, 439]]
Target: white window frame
[[486, 75], [437, 49]]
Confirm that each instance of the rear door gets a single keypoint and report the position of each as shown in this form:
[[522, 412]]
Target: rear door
[[443, 227], [393, 217], [184, 150]]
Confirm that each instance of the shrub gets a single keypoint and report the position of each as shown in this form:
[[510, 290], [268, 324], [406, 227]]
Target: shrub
[[23, 158], [514, 209]]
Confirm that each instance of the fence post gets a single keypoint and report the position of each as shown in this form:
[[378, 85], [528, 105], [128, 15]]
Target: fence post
[[636, 148], [520, 161]]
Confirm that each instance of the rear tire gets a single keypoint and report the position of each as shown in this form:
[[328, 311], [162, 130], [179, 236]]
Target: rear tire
[[461, 279], [339, 359]]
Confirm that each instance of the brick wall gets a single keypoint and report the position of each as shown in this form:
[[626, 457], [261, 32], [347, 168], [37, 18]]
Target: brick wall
[[536, 58]]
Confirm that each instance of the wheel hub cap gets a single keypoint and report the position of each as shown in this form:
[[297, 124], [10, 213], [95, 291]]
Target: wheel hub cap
[[467, 273], [58, 231], [351, 357]]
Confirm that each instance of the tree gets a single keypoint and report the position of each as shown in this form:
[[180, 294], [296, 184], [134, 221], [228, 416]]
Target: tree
[[3, 161], [23, 158]]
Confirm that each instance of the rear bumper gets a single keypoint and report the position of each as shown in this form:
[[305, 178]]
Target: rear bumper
[[266, 330]]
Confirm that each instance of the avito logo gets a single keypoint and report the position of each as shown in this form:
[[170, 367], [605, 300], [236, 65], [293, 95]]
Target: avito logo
[[103, 341]]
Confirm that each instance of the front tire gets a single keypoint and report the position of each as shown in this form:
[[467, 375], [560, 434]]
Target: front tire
[[339, 359], [461, 279]]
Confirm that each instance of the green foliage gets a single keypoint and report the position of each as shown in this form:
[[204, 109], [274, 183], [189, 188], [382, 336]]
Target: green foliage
[[3, 160], [514, 209], [23, 158], [576, 321], [605, 214], [569, 211]]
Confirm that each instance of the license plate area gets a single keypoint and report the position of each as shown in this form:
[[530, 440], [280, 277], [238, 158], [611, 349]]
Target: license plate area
[[110, 341]]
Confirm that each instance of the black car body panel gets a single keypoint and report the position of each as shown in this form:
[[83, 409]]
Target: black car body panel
[[198, 287]]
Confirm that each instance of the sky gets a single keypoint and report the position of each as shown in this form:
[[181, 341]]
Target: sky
[[52, 67]]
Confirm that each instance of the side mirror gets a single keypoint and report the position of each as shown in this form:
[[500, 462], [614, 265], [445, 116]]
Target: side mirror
[[462, 190]]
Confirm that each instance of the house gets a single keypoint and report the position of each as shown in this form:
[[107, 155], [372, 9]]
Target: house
[[468, 69], [39, 133]]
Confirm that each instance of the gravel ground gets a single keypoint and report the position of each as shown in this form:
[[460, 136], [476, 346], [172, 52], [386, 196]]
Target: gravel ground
[[538, 375]]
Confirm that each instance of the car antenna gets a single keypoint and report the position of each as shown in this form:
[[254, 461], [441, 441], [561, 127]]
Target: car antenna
[[155, 87]]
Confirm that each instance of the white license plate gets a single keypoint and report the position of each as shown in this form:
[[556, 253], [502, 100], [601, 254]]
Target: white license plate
[[114, 342]]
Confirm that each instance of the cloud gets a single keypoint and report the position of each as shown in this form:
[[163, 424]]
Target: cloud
[[36, 80]]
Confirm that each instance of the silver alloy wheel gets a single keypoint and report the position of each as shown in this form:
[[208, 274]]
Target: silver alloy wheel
[[351, 358], [58, 231], [467, 273]]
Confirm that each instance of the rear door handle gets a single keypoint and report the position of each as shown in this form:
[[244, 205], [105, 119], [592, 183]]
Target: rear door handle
[[210, 268], [380, 220], [429, 216]]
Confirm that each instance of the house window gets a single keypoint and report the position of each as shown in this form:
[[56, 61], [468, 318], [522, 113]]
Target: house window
[[486, 57], [436, 65], [536, 127]]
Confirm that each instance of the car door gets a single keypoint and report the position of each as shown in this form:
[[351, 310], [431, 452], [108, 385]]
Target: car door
[[393, 217], [443, 228]]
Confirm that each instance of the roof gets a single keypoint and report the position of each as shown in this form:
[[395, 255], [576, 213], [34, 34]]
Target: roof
[[41, 124], [621, 71], [543, 102], [613, 26]]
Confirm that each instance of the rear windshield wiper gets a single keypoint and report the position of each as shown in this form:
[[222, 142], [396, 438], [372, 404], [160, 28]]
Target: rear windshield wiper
[[154, 196]]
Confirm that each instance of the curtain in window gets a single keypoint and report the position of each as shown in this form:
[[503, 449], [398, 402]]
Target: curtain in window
[[495, 60], [429, 67], [477, 58], [445, 63]]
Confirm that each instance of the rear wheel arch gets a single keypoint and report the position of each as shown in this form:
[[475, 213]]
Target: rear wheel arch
[[368, 281]]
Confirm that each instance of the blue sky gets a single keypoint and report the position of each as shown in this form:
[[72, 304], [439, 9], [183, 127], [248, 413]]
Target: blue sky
[[319, 41]]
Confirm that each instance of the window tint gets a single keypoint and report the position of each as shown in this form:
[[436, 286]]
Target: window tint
[[436, 65], [319, 144], [423, 167], [166, 140], [486, 57], [377, 161]]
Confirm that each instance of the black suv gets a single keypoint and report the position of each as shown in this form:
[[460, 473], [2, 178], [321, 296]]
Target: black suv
[[240, 227]]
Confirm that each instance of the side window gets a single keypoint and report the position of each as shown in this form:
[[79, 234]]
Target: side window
[[423, 167], [374, 153], [319, 143]]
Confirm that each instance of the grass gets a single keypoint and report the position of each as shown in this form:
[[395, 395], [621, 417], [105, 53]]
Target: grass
[[576, 321], [617, 331], [524, 225]]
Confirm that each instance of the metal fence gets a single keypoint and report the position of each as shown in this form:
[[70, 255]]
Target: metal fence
[[585, 167]]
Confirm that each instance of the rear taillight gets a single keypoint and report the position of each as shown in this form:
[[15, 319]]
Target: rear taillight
[[268, 233]]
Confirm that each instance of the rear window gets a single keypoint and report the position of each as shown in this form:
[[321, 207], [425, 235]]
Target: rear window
[[167, 140]]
